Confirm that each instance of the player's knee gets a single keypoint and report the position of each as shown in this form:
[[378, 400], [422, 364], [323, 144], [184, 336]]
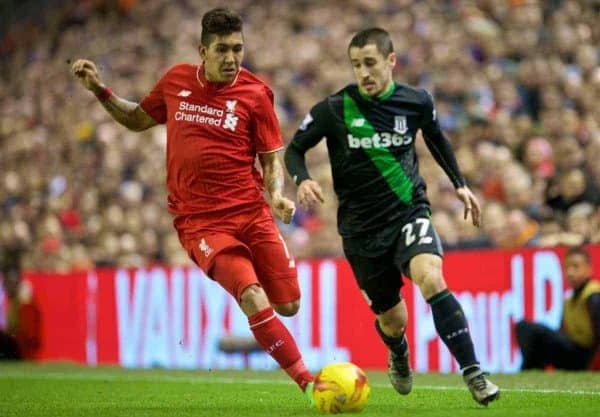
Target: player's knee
[[427, 274], [287, 309], [253, 299], [430, 285], [392, 328], [425, 268], [393, 321]]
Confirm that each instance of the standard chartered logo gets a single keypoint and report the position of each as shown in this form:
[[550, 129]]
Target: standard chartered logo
[[379, 140], [205, 114]]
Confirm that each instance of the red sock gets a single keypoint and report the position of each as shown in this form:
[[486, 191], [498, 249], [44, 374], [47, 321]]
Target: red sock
[[277, 341]]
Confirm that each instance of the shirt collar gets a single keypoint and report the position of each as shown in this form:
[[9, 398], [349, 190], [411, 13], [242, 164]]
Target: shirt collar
[[204, 83], [382, 97]]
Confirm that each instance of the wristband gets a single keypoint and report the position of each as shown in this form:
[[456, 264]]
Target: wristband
[[104, 94]]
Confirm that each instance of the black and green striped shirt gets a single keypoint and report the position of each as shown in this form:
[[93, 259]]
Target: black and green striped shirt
[[371, 145]]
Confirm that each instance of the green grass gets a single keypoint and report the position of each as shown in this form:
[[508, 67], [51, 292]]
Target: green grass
[[31, 390]]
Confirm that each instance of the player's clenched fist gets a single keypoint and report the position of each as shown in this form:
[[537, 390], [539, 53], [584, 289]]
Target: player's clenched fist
[[87, 73], [284, 208]]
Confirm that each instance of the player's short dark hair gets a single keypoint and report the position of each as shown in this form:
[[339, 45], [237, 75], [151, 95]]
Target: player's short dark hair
[[377, 36], [218, 22], [579, 250]]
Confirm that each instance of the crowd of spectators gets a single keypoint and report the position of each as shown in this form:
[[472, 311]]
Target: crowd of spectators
[[516, 85]]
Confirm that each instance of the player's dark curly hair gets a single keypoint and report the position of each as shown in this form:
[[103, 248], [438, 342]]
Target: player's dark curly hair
[[377, 36], [218, 22]]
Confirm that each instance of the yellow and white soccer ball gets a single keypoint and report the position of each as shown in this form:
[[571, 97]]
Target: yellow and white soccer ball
[[341, 388]]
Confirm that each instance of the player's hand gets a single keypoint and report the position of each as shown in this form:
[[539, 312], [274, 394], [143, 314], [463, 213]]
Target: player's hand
[[471, 204], [284, 208], [309, 194], [87, 73]]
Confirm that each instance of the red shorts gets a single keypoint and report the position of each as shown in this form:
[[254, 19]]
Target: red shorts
[[261, 256]]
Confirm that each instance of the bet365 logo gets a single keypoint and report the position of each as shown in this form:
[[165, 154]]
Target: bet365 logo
[[379, 140]]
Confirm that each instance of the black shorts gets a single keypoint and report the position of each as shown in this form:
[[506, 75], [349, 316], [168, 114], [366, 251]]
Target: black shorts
[[379, 277]]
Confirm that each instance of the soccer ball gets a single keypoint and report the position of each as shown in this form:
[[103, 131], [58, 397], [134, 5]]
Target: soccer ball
[[341, 388]]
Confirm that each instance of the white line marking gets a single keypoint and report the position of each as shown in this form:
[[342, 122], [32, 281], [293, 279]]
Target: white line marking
[[96, 376]]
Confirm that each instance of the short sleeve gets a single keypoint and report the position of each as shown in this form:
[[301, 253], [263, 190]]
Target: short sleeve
[[265, 126], [154, 103]]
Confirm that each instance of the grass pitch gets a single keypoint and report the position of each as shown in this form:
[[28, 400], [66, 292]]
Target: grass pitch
[[31, 390]]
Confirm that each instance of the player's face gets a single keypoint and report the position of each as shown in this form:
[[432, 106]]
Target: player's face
[[372, 70], [577, 270], [223, 57]]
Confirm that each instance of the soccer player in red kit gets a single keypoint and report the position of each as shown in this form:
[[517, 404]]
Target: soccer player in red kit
[[219, 116]]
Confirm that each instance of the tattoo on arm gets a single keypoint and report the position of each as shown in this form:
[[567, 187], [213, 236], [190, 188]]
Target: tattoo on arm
[[128, 113], [272, 172]]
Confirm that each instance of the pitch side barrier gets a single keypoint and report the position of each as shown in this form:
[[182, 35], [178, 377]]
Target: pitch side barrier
[[176, 318]]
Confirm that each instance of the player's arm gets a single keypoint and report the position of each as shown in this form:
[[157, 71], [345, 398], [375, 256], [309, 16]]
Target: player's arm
[[127, 113], [283, 207], [441, 149], [267, 136], [309, 134]]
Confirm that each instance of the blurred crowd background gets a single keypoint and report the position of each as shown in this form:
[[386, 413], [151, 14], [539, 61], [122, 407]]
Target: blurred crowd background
[[516, 85]]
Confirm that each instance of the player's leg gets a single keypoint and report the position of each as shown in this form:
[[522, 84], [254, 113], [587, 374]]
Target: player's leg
[[273, 262], [448, 316], [276, 272], [391, 327], [451, 324], [419, 254], [229, 262], [380, 282], [269, 331]]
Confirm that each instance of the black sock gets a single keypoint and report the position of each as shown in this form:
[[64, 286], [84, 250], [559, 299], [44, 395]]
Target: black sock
[[398, 345], [452, 327]]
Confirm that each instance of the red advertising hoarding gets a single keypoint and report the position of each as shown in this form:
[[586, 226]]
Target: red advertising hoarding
[[175, 317]]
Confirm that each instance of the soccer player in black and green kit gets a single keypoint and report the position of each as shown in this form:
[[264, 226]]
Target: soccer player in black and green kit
[[384, 215]]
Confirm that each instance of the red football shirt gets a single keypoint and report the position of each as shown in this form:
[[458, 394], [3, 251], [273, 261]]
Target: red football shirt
[[214, 131]]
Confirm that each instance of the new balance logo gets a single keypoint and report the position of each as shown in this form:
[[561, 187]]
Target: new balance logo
[[360, 122], [184, 93]]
